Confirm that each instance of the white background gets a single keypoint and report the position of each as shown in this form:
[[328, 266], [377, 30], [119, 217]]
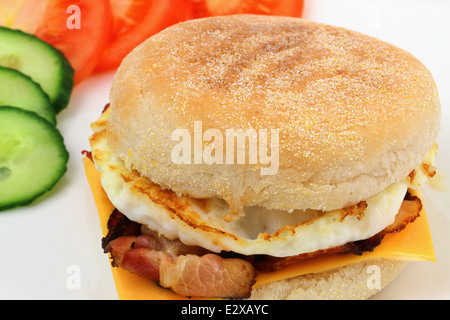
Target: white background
[[44, 244]]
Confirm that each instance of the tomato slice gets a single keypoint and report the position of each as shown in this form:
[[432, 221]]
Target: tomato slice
[[135, 21], [82, 34], [204, 8]]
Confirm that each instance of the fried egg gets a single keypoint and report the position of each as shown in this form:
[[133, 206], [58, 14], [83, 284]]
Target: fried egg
[[261, 231]]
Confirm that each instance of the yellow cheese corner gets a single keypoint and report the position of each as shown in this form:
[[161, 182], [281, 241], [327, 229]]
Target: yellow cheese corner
[[414, 243]]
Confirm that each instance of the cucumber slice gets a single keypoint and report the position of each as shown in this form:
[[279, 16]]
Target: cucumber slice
[[33, 156], [18, 90], [40, 61]]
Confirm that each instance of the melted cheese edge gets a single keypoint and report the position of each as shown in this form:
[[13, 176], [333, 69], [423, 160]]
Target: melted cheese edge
[[414, 243]]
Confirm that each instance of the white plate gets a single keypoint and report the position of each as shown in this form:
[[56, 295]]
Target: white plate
[[52, 248]]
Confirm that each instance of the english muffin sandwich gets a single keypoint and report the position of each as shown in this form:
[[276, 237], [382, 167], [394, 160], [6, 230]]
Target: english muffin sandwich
[[266, 157]]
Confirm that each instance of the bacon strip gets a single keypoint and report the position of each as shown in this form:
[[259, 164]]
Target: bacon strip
[[184, 269], [208, 276], [144, 262]]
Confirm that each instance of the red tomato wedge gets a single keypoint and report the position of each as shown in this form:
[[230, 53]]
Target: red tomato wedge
[[204, 8], [137, 20], [81, 29]]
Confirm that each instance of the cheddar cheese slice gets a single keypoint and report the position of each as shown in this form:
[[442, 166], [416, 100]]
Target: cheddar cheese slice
[[414, 243]]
